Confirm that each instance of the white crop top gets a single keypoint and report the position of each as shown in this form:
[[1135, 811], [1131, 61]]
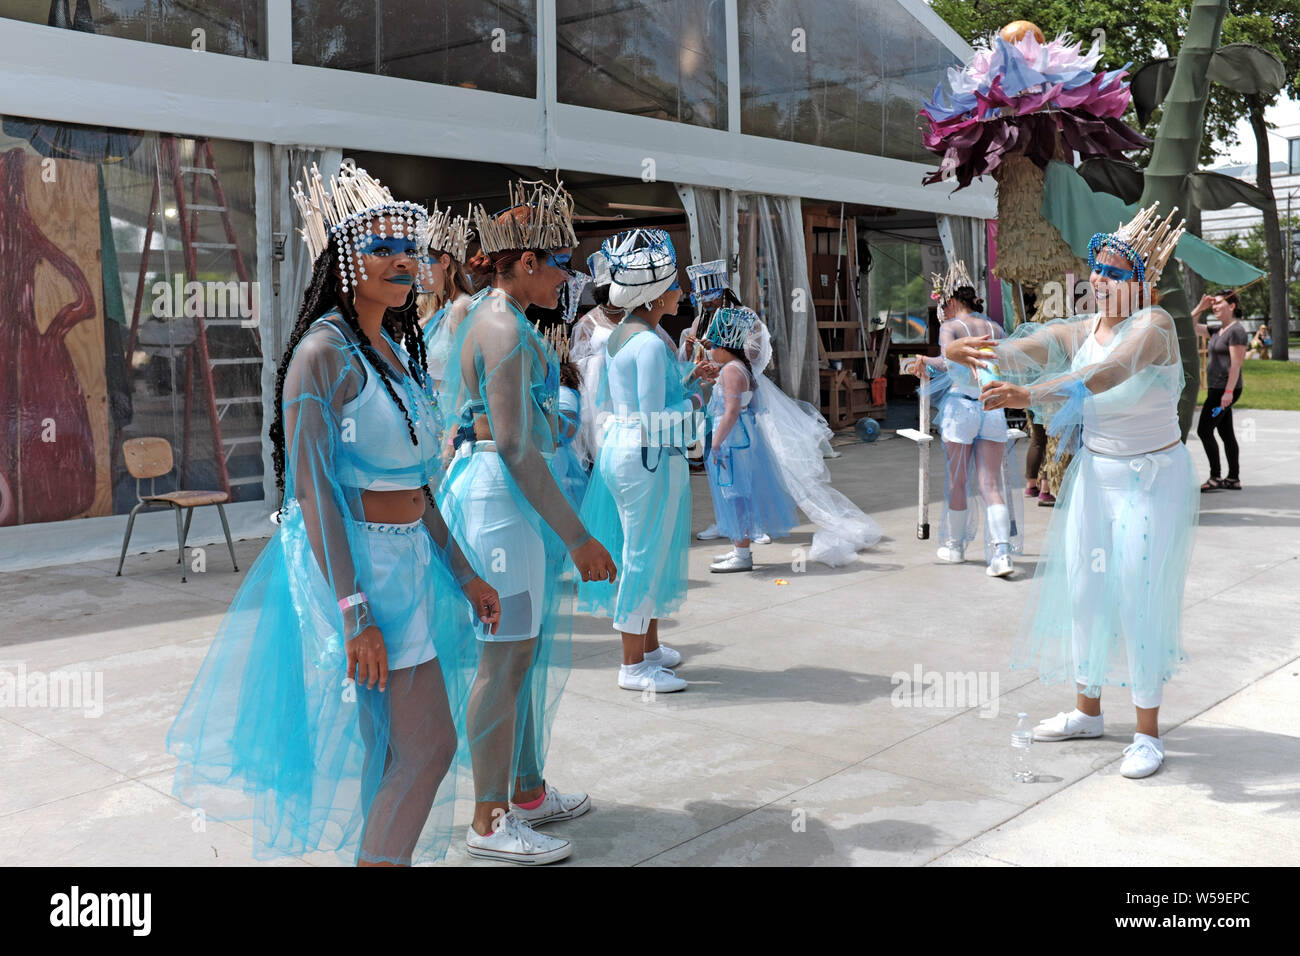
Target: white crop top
[[1138, 415], [380, 456]]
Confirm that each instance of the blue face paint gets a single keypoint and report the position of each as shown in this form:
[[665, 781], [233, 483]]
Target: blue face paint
[[1116, 273], [562, 261], [385, 246], [675, 287]]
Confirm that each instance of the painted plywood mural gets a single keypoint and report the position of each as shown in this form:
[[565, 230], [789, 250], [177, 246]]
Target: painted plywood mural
[[54, 437]]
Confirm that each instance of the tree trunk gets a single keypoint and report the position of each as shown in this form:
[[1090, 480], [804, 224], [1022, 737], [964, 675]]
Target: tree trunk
[[1277, 271], [1193, 284], [1175, 154]]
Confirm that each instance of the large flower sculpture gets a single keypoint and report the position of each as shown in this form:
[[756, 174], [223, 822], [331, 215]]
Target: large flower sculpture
[[1022, 95]]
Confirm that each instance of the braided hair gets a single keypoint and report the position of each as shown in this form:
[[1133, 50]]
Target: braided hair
[[323, 296]]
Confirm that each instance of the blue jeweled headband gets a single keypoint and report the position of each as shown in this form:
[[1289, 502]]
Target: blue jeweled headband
[[1107, 240]]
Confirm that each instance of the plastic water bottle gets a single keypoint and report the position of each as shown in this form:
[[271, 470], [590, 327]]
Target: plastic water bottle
[[1022, 738], [991, 374]]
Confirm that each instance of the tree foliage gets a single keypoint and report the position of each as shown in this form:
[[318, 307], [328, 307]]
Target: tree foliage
[[1251, 247], [1139, 33]]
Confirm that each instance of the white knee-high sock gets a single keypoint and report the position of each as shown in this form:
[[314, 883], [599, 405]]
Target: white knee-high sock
[[999, 524], [956, 524]]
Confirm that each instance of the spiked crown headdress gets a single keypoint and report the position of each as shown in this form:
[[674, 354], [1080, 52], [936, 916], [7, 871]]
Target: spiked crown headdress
[[945, 284], [448, 233], [352, 199], [1145, 240], [547, 223]]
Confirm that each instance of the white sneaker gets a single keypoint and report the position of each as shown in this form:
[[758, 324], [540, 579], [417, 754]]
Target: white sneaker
[[761, 539], [723, 554], [649, 676], [664, 656], [732, 562], [1000, 567], [952, 553], [555, 806], [1068, 726], [514, 841], [1143, 756], [710, 533]]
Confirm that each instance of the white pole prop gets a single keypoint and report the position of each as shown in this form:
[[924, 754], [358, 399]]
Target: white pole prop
[[922, 437]]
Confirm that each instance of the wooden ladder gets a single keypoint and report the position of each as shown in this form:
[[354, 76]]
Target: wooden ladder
[[224, 382]]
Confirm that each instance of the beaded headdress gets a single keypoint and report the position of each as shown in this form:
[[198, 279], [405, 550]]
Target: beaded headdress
[[707, 278], [642, 266], [1144, 240], [731, 327], [945, 284], [548, 224], [448, 233], [352, 200]]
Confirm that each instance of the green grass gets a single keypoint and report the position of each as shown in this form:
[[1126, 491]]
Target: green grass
[[1269, 384]]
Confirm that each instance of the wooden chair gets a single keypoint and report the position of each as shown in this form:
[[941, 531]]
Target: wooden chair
[[151, 458]]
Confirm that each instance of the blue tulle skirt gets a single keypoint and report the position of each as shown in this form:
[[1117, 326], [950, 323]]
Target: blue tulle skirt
[[1106, 603], [638, 505], [272, 730], [749, 497]]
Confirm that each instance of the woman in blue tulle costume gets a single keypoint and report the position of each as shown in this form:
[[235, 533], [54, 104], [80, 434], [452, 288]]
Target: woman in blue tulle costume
[[1106, 607], [980, 477], [749, 497], [500, 393], [639, 499], [325, 709], [446, 300]]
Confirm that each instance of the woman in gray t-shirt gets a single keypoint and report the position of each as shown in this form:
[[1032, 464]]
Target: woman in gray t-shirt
[[1227, 351]]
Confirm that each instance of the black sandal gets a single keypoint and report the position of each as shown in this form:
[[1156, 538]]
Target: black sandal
[[1231, 484], [1213, 484]]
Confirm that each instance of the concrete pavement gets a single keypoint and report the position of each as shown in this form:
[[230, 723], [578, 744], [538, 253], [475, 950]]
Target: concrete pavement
[[795, 744]]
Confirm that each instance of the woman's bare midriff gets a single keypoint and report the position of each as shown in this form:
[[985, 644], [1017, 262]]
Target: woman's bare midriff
[[393, 507], [407, 505]]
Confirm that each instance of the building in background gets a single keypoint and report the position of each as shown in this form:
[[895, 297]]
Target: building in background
[[148, 150]]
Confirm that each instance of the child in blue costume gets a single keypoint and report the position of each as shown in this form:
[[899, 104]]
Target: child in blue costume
[[1106, 604], [325, 709], [748, 494], [981, 479], [796, 437], [500, 393], [639, 500]]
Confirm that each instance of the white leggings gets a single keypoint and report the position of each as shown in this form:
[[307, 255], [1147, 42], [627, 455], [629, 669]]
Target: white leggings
[[1133, 529]]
